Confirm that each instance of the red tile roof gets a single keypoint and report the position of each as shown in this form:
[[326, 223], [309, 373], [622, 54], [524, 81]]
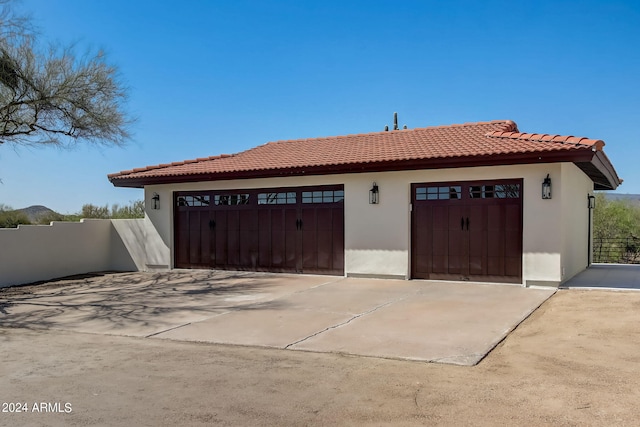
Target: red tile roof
[[481, 143]]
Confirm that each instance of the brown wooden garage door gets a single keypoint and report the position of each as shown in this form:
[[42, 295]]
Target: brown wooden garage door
[[467, 231], [280, 230]]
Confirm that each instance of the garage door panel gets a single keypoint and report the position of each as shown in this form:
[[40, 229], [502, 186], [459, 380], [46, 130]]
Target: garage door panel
[[337, 233], [477, 265], [266, 238], [248, 238], [422, 229], [309, 239], [220, 252], [440, 229], [475, 235], [513, 266], [233, 238], [291, 240], [194, 238], [278, 238], [324, 229], [205, 238], [496, 265], [457, 264], [264, 229], [455, 247], [182, 240], [440, 264], [512, 217]]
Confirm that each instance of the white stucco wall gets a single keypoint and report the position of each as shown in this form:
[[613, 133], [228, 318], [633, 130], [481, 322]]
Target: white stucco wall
[[377, 237], [542, 228], [136, 245], [33, 253], [575, 188]]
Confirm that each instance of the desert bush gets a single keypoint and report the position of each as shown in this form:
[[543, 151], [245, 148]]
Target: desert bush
[[10, 218]]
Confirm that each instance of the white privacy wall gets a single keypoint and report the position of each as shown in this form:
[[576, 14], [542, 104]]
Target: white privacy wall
[[377, 237], [33, 253]]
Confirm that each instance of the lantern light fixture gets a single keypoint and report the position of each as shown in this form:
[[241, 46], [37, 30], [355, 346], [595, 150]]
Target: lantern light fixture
[[546, 188], [374, 194], [156, 201]]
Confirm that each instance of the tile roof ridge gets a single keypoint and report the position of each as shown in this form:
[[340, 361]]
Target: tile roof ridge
[[597, 144], [509, 124]]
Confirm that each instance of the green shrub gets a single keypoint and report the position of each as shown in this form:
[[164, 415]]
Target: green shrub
[[10, 218]]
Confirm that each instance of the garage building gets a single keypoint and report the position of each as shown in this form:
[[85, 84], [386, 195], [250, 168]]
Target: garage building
[[477, 201]]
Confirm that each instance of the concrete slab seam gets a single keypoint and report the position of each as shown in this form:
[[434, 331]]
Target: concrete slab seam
[[166, 330], [318, 285], [350, 320]]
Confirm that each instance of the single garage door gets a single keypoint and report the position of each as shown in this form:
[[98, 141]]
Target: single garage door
[[467, 231], [297, 229]]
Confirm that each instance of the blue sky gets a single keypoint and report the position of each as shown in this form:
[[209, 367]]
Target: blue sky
[[212, 77]]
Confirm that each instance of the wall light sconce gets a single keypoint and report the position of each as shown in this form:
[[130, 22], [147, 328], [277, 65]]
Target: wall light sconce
[[546, 188], [374, 195], [156, 201], [592, 201]]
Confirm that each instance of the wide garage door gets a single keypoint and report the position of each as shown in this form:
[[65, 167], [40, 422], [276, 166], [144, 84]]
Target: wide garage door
[[467, 231], [281, 230]]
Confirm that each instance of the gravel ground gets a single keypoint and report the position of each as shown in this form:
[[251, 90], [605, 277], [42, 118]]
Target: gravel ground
[[575, 361]]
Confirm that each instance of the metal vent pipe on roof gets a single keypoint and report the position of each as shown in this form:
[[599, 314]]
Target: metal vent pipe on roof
[[395, 123]]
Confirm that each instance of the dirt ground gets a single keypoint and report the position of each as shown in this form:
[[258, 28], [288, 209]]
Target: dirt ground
[[575, 361]]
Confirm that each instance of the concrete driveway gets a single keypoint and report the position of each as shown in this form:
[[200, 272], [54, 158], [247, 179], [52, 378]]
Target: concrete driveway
[[456, 323]]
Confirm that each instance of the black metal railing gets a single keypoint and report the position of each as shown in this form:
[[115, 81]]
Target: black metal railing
[[619, 250]]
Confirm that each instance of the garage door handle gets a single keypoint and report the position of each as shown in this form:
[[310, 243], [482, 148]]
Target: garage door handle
[[212, 224]]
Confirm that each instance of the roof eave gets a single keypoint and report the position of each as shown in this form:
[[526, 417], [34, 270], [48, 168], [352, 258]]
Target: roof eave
[[576, 156], [601, 172]]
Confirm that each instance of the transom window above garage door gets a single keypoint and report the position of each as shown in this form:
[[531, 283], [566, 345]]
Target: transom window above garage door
[[284, 198], [326, 196], [231, 199], [261, 198], [438, 193], [471, 190], [498, 191], [194, 200]]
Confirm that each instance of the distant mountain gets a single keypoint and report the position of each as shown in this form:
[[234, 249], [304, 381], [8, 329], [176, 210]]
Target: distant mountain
[[34, 213], [632, 198]]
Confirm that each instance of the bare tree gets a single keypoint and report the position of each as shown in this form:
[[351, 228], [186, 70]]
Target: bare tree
[[52, 96]]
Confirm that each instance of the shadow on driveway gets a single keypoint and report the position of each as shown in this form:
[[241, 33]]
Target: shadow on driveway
[[136, 304], [456, 323]]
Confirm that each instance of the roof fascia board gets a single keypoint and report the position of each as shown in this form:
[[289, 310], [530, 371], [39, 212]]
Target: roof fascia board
[[601, 162], [437, 163]]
